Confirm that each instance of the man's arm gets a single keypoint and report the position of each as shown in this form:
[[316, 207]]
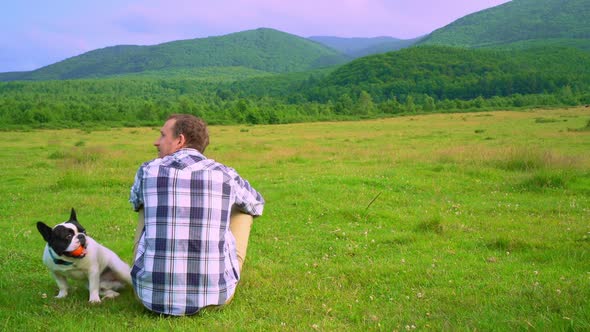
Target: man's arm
[[138, 230], [240, 224]]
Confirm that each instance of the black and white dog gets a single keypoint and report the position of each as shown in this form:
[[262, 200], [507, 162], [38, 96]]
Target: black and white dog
[[70, 253]]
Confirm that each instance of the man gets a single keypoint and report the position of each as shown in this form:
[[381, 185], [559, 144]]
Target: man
[[195, 216]]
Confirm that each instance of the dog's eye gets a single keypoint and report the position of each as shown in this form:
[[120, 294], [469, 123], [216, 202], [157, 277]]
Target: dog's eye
[[69, 236]]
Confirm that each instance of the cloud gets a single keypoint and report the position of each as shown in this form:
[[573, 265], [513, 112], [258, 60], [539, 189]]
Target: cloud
[[304, 17]]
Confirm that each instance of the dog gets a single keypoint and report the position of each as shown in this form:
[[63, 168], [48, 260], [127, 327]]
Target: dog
[[70, 253]]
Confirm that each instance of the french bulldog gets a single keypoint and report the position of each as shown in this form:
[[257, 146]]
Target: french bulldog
[[70, 253]]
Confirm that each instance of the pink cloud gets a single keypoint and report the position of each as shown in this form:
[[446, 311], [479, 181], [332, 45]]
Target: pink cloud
[[346, 18]]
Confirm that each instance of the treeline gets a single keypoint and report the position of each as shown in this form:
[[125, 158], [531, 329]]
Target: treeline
[[420, 79], [98, 103]]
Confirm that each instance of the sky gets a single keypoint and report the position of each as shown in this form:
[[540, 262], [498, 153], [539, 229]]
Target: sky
[[37, 33]]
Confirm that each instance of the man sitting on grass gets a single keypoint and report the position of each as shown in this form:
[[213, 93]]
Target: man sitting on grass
[[195, 216]]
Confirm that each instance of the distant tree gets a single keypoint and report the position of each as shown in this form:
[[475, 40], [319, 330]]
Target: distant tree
[[239, 111], [566, 95], [410, 106], [344, 105], [478, 102], [272, 117], [364, 104], [148, 112], [429, 104], [253, 116], [186, 105], [223, 94], [390, 106]]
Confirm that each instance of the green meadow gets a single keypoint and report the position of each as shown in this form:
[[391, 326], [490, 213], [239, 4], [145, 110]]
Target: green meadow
[[471, 221]]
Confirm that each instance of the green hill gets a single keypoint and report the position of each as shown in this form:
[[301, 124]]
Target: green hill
[[517, 21], [582, 44], [445, 72], [265, 50]]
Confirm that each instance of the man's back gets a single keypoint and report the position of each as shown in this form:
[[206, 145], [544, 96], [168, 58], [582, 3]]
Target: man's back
[[186, 257]]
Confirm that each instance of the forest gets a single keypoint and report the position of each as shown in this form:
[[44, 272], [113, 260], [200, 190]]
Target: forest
[[521, 54], [415, 80]]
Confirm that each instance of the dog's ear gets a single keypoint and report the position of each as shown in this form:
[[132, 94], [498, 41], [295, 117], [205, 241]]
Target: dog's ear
[[73, 216], [44, 230], [74, 221]]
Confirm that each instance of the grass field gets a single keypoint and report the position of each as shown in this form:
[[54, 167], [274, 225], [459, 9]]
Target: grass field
[[477, 221]]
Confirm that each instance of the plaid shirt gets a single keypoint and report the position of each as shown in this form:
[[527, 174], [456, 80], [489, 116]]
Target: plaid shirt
[[186, 257]]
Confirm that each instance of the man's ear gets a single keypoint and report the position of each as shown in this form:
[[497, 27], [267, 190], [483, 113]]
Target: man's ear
[[181, 141]]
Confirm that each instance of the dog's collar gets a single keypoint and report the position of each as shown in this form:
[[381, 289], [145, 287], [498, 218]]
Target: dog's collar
[[57, 260]]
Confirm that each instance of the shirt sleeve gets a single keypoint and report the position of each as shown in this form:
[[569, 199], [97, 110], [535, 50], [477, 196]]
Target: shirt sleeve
[[135, 197], [248, 200]]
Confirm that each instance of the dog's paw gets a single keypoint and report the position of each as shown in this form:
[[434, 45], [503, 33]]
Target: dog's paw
[[94, 300], [61, 294], [110, 294]]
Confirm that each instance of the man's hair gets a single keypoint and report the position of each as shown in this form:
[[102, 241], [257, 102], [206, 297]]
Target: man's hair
[[194, 130]]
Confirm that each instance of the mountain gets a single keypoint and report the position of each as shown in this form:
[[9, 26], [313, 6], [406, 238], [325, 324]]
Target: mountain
[[263, 49], [445, 72], [517, 21], [359, 47], [12, 76], [513, 26]]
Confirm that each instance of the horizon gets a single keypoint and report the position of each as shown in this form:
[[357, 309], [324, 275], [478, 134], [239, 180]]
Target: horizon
[[35, 34]]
